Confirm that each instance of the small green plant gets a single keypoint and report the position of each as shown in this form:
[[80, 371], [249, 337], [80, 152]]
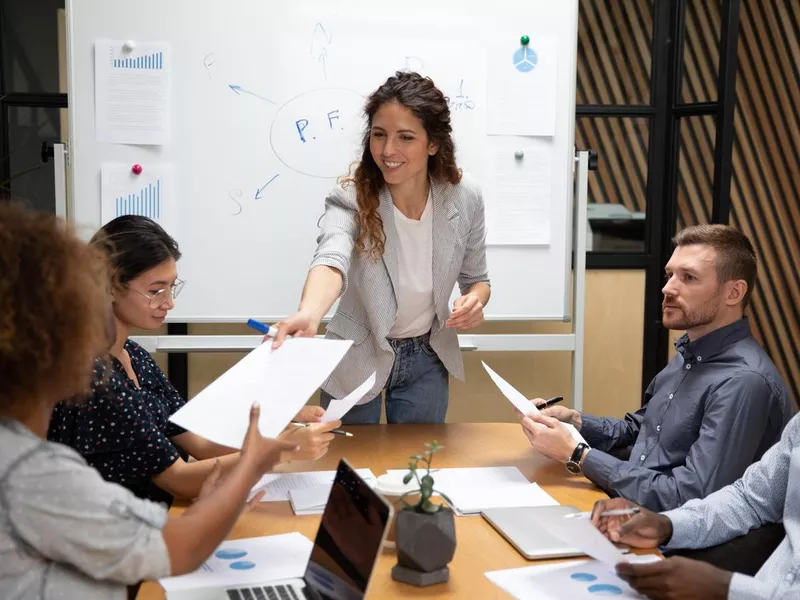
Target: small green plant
[[425, 482]]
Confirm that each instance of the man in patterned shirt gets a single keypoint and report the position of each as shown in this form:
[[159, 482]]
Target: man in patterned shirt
[[768, 492]]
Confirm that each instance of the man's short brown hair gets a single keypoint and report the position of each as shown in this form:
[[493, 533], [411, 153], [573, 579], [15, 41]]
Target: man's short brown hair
[[53, 306], [736, 258]]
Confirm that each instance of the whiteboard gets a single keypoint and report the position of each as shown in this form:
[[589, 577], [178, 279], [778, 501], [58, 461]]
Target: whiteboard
[[248, 193]]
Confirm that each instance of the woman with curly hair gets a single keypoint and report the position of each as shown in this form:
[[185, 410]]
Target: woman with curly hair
[[64, 531], [397, 235]]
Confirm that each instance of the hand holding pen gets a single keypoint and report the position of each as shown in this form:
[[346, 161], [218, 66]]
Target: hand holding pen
[[622, 521]]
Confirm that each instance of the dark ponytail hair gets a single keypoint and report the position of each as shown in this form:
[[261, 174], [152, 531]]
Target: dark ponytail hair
[[134, 245]]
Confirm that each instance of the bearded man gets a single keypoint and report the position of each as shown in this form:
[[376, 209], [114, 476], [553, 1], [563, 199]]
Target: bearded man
[[711, 412]]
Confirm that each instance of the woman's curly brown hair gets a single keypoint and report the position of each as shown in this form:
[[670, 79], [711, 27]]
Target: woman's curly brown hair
[[53, 308], [420, 95]]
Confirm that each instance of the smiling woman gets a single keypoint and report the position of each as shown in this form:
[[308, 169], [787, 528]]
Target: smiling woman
[[123, 428], [398, 234]]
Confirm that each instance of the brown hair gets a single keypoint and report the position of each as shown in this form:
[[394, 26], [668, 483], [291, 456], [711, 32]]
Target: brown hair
[[421, 96], [53, 307], [736, 258]]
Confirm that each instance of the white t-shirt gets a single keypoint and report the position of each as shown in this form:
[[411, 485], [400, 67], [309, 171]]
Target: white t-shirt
[[415, 311]]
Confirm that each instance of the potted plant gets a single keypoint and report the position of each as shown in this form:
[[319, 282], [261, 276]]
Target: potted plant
[[426, 531]]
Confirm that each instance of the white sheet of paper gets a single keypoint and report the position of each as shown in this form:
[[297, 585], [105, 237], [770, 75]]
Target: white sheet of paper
[[280, 380], [149, 194], [246, 561], [576, 580], [578, 532], [132, 92], [474, 499], [469, 484], [517, 193], [310, 500], [338, 408], [522, 404], [278, 485], [521, 87]]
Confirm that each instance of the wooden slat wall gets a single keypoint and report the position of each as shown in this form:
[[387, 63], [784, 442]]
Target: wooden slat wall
[[614, 56], [765, 191]]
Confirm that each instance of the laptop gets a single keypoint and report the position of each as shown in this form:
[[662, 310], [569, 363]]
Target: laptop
[[347, 545], [523, 529]]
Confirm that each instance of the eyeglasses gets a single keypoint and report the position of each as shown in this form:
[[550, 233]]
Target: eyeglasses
[[160, 297]]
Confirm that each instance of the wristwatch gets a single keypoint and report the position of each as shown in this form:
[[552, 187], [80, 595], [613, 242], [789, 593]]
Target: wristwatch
[[574, 463]]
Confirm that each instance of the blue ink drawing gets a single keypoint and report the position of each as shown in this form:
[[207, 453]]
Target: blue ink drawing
[[230, 554], [605, 589], [244, 565], [583, 577], [525, 59]]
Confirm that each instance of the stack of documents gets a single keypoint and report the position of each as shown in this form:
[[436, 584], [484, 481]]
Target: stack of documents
[[475, 489], [307, 491]]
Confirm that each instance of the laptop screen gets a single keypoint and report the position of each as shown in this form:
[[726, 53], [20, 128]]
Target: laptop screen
[[348, 539]]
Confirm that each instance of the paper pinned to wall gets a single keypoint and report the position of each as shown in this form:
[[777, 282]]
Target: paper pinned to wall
[[132, 92], [149, 194], [517, 192], [521, 87]]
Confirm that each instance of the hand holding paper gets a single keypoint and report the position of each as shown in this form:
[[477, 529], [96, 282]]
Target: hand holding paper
[[522, 404], [339, 408], [280, 380], [578, 532]]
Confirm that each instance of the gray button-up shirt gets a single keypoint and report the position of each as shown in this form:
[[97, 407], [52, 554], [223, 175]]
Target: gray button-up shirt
[[714, 410], [768, 492]]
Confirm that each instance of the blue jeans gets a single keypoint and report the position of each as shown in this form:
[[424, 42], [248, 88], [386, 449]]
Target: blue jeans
[[417, 390]]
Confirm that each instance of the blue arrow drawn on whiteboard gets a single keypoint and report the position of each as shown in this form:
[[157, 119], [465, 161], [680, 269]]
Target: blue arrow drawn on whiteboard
[[240, 90]]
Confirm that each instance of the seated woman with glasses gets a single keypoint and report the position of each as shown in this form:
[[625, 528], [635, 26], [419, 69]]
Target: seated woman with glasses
[[123, 429]]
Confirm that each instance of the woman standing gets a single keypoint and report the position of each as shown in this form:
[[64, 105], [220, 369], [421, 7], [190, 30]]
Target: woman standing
[[396, 237]]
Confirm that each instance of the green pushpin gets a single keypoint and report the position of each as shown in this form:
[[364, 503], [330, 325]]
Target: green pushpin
[[524, 40]]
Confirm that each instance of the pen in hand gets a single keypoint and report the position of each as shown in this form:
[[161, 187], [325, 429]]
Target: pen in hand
[[617, 512], [267, 330], [334, 431], [550, 402]]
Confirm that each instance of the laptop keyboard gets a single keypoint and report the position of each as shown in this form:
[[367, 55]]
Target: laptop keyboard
[[265, 592]]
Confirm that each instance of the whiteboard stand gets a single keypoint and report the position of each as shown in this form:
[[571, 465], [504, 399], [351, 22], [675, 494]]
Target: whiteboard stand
[[567, 342], [60, 155]]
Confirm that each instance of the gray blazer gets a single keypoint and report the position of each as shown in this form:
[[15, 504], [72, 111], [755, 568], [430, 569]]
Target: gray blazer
[[368, 305]]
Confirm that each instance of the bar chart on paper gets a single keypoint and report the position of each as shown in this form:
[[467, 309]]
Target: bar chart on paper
[[147, 194], [149, 61], [146, 202]]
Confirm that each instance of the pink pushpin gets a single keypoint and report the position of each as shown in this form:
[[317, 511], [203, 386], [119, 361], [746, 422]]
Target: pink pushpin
[[137, 169]]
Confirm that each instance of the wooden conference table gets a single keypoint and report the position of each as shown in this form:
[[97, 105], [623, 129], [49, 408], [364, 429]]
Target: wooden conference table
[[479, 547]]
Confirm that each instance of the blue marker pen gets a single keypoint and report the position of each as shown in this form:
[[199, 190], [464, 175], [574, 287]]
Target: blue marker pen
[[262, 327]]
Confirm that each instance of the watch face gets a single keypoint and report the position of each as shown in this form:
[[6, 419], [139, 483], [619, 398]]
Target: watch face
[[573, 468]]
